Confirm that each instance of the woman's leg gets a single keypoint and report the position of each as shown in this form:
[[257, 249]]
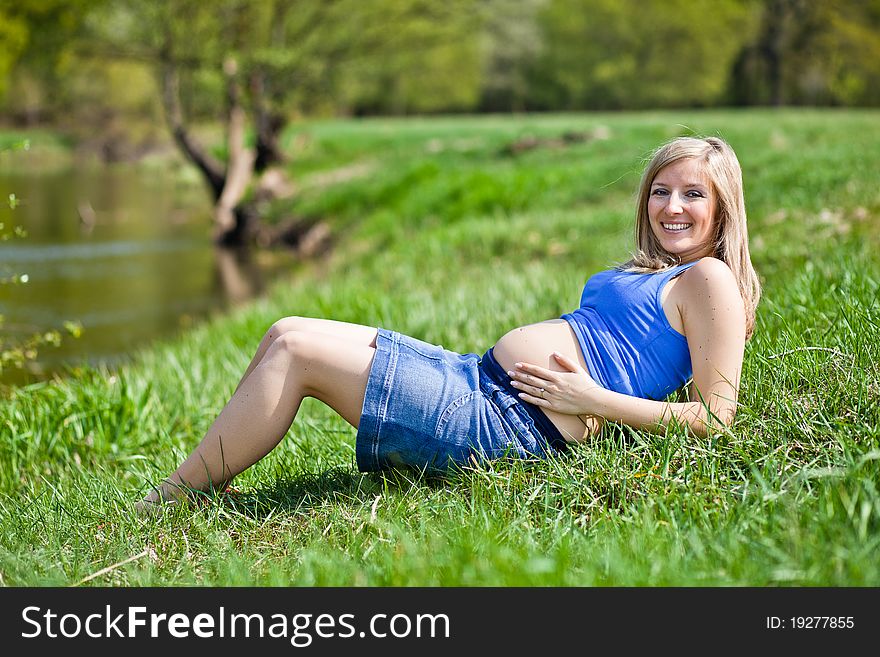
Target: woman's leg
[[297, 364], [353, 332]]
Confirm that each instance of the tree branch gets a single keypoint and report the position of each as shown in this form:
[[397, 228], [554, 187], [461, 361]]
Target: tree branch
[[211, 169], [268, 124], [240, 167]]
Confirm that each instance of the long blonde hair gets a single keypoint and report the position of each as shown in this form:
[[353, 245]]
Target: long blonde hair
[[731, 239]]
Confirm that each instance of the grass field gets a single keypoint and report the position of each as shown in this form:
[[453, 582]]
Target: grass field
[[446, 235]]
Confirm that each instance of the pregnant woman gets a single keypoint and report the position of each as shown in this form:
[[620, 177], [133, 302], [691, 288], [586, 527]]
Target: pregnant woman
[[681, 309]]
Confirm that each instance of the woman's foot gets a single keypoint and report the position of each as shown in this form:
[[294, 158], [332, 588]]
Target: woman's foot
[[146, 508], [166, 495], [169, 495]]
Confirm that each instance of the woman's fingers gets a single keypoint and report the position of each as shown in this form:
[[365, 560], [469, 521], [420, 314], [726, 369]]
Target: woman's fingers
[[560, 391], [537, 391], [535, 401], [537, 395], [537, 370], [566, 362], [529, 379]]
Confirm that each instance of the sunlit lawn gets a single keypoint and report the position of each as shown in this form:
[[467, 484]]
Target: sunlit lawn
[[443, 234]]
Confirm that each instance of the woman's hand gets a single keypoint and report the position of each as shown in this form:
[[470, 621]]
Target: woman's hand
[[570, 392]]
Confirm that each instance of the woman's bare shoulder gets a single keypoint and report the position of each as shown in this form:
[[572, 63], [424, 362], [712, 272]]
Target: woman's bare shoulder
[[710, 282], [710, 273], [710, 266]]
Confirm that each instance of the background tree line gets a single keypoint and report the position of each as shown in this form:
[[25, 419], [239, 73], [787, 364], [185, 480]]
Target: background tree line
[[123, 74], [99, 57]]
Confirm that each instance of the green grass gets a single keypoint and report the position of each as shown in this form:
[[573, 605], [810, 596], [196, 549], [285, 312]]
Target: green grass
[[445, 237]]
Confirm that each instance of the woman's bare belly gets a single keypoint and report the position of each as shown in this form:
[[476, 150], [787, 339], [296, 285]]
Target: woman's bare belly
[[535, 344]]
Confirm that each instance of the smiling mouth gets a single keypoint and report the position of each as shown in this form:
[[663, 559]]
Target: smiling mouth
[[676, 227]]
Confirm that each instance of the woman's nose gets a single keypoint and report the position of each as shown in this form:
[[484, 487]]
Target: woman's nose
[[673, 206]]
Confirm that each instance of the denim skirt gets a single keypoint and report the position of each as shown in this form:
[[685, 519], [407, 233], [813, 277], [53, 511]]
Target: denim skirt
[[429, 408]]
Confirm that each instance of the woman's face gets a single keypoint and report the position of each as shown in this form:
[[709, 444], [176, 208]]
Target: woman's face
[[681, 210]]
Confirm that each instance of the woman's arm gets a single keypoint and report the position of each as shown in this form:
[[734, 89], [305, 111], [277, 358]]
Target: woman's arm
[[714, 321]]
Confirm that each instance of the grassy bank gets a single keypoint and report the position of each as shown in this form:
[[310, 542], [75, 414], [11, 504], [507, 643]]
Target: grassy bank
[[447, 235]]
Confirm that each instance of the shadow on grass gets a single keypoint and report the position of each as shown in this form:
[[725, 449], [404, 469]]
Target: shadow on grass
[[340, 486]]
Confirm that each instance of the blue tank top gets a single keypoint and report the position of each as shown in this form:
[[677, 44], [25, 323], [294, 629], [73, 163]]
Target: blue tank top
[[627, 342]]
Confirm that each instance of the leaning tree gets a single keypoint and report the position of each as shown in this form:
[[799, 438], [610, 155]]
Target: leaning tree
[[260, 61]]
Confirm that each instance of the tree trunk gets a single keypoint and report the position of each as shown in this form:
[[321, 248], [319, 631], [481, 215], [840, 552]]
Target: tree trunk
[[773, 57], [268, 126], [211, 169], [775, 43], [231, 226]]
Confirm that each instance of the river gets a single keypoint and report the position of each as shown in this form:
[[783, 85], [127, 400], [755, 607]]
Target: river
[[123, 251]]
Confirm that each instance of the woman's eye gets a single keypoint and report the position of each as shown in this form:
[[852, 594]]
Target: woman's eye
[[695, 194], [659, 192]]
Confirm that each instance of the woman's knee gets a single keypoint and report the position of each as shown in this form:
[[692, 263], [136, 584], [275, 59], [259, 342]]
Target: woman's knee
[[356, 333], [279, 328], [291, 345], [282, 326], [290, 354], [328, 368]]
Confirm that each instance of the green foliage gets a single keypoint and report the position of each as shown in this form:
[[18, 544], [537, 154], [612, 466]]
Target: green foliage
[[632, 54], [310, 54], [14, 37], [38, 34], [825, 53], [430, 63], [511, 42], [787, 497]]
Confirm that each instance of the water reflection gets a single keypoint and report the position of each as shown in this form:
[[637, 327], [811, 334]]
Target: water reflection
[[124, 251], [239, 275]]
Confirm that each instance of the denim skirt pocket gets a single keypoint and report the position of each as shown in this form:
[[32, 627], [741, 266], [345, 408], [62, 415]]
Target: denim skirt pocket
[[474, 426]]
